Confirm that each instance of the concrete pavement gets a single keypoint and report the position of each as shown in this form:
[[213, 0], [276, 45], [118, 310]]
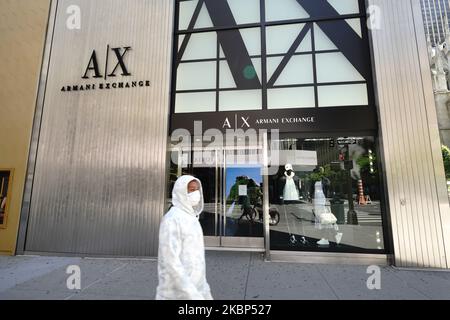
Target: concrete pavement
[[231, 275]]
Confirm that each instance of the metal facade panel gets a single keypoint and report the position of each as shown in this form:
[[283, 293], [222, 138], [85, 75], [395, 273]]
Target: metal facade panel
[[411, 148], [101, 160]]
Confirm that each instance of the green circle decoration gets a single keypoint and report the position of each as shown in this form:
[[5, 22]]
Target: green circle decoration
[[249, 72]]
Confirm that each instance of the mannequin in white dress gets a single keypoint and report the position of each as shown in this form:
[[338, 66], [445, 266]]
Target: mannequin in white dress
[[290, 192], [320, 208]]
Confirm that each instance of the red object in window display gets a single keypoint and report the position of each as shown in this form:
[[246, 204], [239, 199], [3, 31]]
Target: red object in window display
[[362, 199]]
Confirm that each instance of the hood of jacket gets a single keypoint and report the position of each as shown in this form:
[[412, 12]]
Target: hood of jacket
[[180, 192]]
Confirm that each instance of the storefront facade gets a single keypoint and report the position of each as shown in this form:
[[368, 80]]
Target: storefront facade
[[308, 123], [291, 81]]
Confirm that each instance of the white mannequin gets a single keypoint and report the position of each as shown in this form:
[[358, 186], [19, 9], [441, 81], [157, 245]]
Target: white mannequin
[[290, 192], [319, 199], [320, 207]]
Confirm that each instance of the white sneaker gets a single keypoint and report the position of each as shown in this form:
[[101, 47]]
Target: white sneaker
[[292, 239], [338, 237], [323, 242]]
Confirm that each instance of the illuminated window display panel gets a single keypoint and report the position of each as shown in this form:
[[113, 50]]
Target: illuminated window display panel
[[202, 101], [327, 196], [232, 46]]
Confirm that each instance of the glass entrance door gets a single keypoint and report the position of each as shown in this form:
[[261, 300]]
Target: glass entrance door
[[242, 218], [232, 190]]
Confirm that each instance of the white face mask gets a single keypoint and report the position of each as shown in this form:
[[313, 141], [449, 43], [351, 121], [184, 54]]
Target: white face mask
[[194, 198]]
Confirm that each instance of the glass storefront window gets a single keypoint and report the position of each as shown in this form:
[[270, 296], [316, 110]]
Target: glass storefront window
[[232, 183], [326, 196], [298, 67]]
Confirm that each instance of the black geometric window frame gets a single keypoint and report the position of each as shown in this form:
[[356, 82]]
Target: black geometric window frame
[[354, 48]]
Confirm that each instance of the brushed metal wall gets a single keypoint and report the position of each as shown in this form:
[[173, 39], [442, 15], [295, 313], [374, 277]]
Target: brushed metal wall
[[100, 174], [419, 207]]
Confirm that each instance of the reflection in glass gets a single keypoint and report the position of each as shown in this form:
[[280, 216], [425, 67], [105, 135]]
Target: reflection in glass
[[207, 175], [243, 198], [327, 192], [232, 189], [437, 33]]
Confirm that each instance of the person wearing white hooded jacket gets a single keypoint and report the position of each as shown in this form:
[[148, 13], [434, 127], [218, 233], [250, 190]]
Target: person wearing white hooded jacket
[[181, 252]]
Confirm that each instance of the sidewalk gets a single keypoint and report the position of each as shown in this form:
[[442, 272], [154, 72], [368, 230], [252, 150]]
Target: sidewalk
[[231, 275]]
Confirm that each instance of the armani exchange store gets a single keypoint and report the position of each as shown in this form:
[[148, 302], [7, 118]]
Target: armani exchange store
[[284, 109]]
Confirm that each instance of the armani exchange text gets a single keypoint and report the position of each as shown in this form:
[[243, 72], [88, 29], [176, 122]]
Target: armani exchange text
[[106, 86]]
